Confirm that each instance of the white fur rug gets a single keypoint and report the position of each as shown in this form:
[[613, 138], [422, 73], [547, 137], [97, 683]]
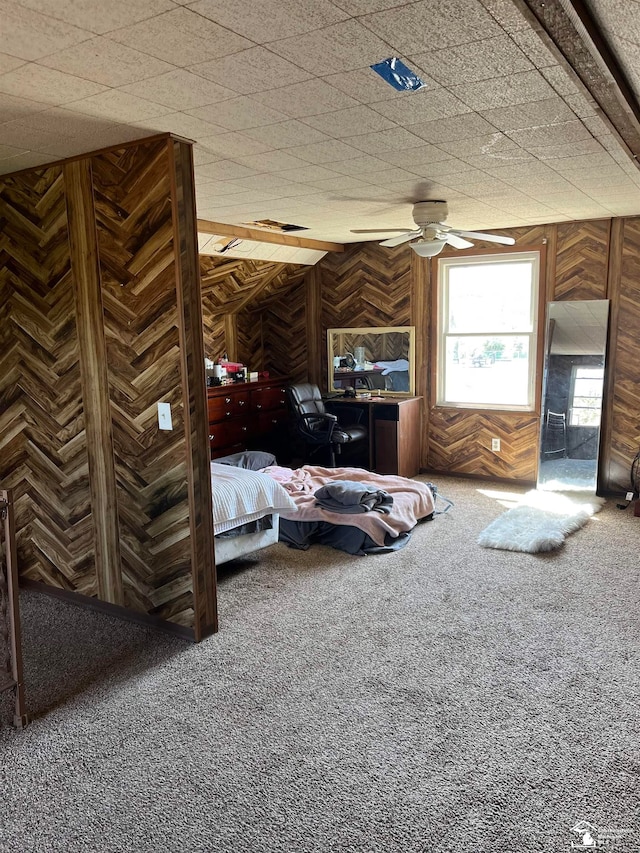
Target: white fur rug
[[540, 522]]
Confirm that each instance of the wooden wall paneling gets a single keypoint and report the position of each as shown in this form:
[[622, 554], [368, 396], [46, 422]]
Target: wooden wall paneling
[[421, 272], [190, 333], [250, 339], [137, 255], [581, 260], [607, 476], [43, 450], [93, 363], [284, 324], [316, 343], [460, 443], [625, 432], [367, 285]]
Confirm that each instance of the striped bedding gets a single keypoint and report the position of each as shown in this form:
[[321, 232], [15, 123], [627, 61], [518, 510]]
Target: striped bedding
[[240, 495]]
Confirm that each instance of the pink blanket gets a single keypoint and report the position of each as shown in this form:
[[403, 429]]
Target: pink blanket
[[412, 500]]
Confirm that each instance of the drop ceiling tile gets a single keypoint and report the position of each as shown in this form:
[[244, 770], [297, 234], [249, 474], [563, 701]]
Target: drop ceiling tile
[[365, 7], [178, 89], [504, 91], [202, 155], [550, 134], [351, 122], [182, 124], [419, 156], [7, 151], [339, 183], [310, 98], [536, 114], [563, 81], [46, 85], [287, 134], [506, 157], [229, 144], [252, 70], [341, 47], [357, 165], [559, 155], [217, 189], [324, 152], [100, 17], [469, 63], [433, 24], [582, 105], [532, 44], [368, 87], [118, 106], [272, 161], [269, 20], [442, 168], [181, 37], [491, 143], [422, 106], [463, 126], [472, 182], [385, 177], [225, 170], [8, 63], [27, 160], [238, 114], [507, 15], [602, 177], [67, 123], [106, 62], [396, 139], [309, 174], [29, 35], [28, 138]]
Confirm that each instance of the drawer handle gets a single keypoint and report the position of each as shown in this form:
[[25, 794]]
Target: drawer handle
[[228, 414], [211, 436], [258, 405], [241, 402], [244, 429], [282, 402], [227, 399]]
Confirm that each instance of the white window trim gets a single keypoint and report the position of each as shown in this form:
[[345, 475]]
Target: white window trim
[[442, 332]]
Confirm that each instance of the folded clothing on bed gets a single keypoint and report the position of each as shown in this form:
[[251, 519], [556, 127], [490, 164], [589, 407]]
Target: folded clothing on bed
[[240, 495], [351, 497]]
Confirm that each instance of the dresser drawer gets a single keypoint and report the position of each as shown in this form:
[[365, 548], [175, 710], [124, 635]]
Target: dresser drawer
[[218, 434], [239, 430], [268, 399], [228, 406], [268, 421]]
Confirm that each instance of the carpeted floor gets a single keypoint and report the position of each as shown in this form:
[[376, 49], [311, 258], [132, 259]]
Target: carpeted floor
[[442, 698]]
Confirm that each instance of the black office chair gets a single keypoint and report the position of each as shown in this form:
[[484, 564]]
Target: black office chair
[[318, 428]]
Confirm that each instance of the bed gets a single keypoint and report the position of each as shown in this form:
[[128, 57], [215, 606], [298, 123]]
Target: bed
[[356, 532], [246, 506]]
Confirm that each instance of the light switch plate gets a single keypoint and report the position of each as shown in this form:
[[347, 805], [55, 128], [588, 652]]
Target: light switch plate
[[164, 416]]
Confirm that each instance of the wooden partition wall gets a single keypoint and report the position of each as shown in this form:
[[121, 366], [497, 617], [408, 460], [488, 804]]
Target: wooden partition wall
[[101, 320]]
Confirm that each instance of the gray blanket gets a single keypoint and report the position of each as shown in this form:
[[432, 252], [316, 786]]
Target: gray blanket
[[349, 496]]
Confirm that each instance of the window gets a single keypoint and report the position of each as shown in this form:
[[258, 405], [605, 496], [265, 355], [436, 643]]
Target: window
[[586, 396], [487, 330]]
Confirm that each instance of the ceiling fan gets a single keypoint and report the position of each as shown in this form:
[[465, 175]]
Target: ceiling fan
[[433, 235]]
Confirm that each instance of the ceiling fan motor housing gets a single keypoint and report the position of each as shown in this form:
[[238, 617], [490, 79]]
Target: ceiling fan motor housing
[[429, 212]]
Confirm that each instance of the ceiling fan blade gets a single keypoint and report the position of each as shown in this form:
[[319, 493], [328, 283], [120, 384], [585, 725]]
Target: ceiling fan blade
[[377, 230], [457, 242], [403, 238], [491, 238]]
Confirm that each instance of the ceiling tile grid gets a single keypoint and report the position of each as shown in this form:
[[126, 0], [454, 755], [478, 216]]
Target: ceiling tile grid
[[291, 122]]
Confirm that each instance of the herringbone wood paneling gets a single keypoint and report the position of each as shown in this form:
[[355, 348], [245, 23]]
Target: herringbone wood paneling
[[43, 452], [581, 260], [460, 442], [137, 263], [625, 432]]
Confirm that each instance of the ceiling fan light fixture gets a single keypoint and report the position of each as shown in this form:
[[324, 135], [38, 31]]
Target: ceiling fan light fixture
[[428, 248]]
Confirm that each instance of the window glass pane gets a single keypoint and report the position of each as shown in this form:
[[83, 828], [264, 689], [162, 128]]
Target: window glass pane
[[487, 370], [490, 297]]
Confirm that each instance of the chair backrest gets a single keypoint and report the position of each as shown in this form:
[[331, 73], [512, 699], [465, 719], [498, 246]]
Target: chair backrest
[[305, 398]]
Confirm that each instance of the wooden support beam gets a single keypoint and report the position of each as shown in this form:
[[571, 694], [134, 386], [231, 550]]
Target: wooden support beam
[[257, 235]]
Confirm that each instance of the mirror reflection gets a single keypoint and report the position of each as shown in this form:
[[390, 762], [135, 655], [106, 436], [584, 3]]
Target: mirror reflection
[[572, 394], [375, 360]]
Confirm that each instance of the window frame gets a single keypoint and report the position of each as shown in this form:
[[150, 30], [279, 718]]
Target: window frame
[[572, 395], [536, 253]]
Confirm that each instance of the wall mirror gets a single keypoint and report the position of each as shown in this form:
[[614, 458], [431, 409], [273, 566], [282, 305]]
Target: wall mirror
[[380, 360], [572, 392]]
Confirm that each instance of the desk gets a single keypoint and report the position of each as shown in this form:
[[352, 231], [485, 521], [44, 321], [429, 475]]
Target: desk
[[394, 431]]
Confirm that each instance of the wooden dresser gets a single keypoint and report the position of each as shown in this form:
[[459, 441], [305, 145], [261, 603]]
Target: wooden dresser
[[247, 415]]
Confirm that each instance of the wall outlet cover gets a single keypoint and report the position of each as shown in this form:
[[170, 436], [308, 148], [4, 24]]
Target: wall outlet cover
[[495, 444], [164, 416]]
